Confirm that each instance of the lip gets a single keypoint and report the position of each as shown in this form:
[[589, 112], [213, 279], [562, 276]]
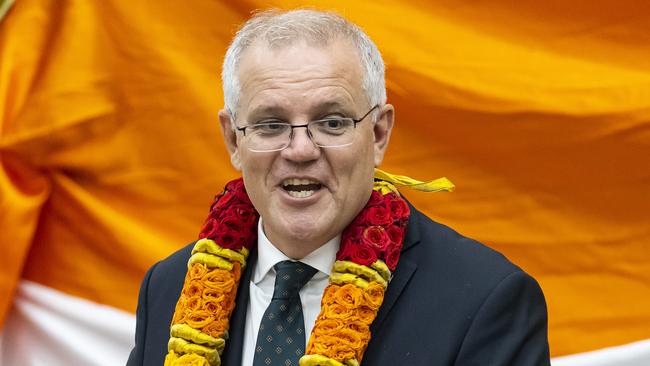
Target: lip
[[300, 202], [289, 200], [280, 180]]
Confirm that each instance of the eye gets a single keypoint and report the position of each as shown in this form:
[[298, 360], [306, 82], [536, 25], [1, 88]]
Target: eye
[[269, 128], [333, 126], [333, 123]]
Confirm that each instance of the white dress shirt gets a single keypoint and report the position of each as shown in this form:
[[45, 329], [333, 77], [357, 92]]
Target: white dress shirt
[[263, 282]]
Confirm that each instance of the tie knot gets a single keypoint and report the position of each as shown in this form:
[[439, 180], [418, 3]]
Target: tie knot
[[290, 277]]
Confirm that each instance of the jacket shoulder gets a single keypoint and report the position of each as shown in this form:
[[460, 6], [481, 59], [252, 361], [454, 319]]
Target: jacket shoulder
[[440, 245], [159, 293]]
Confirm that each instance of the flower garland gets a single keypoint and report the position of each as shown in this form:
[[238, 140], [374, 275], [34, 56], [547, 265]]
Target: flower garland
[[369, 252]]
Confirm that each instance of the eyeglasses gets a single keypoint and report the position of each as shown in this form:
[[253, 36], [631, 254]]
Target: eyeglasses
[[276, 136]]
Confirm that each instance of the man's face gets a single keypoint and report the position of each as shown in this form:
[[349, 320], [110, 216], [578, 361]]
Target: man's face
[[298, 84]]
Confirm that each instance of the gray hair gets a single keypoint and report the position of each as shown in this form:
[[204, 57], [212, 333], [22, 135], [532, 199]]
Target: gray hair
[[281, 28]]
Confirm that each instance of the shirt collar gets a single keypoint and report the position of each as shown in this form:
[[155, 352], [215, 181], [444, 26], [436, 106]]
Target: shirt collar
[[268, 255]]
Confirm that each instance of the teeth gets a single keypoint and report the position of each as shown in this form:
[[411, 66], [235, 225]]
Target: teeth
[[298, 181], [301, 188], [300, 194]]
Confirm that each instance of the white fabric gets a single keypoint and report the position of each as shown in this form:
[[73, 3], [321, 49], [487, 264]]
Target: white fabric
[[46, 327], [632, 354], [263, 282]]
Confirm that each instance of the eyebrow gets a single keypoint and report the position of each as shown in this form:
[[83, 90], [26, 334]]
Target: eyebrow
[[320, 109]]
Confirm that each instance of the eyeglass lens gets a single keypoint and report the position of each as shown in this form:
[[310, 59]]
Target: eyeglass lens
[[324, 133]]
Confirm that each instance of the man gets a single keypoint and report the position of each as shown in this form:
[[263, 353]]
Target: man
[[451, 300]]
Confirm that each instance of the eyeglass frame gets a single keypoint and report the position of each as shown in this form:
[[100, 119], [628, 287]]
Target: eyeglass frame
[[306, 126]]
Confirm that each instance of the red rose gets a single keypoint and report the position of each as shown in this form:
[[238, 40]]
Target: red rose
[[347, 248], [209, 229], [239, 189], [222, 201], [362, 254], [390, 196], [378, 215], [399, 209], [344, 252], [376, 199], [392, 256], [232, 222], [251, 239], [235, 185], [376, 238], [352, 233], [396, 234], [244, 214], [360, 220], [216, 200], [228, 238]]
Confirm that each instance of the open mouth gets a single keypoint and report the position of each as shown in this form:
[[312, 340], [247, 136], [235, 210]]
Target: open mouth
[[301, 188]]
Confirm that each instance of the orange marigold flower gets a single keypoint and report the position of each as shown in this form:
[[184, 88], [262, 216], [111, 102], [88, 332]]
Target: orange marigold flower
[[186, 281], [360, 328], [197, 271], [194, 288], [212, 306], [342, 352], [198, 319], [215, 329], [236, 271], [328, 294], [179, 310], [179, 316], [365, 314], [194, 303], [336, 311], [374, 295], [323, 345], [219, 280], [222, 322], [349, 296], [327, 326], [210, 294], [350, 337], [229, 301]]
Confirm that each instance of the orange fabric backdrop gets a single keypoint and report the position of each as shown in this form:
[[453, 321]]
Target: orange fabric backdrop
[[538, 111]]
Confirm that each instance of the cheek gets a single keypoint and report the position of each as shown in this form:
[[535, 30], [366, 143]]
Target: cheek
[[354, 170], [255, 170]]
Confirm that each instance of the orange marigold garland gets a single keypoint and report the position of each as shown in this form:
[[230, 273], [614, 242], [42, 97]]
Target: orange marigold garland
[[201, 319], [369, 251]]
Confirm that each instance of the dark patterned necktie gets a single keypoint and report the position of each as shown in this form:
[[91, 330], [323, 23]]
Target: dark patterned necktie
[[281, 338]]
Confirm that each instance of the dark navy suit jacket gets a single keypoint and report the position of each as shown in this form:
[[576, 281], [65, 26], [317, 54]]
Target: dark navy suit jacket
[[452, 301]]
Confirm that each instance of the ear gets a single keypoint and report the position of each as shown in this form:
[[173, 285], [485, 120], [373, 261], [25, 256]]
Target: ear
[[230, 137], [382, 130]]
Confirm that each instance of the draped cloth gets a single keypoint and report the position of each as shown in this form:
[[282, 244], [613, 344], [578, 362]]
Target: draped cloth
[[539, 112]]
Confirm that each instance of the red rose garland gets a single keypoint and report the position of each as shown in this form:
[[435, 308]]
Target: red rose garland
[[369, 252], [377, 232]]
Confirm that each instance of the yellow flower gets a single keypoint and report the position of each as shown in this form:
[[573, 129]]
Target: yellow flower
[[191, 359]]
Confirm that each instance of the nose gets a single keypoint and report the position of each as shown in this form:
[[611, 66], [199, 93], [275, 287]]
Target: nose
[[301, 147]]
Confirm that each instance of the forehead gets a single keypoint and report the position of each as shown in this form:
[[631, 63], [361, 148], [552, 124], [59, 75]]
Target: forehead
[[300, 75]]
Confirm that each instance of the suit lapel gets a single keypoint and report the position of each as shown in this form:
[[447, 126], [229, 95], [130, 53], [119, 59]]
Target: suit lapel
[[405, 269], [232, 355]]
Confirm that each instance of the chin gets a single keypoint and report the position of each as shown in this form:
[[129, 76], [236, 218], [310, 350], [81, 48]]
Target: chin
[[306, 230]]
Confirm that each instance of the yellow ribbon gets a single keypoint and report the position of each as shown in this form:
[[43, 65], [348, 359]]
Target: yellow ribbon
[[437, 185]]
